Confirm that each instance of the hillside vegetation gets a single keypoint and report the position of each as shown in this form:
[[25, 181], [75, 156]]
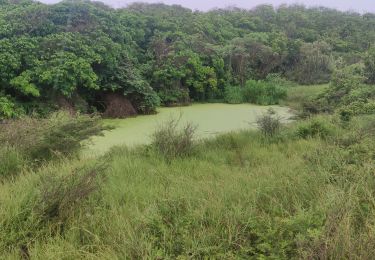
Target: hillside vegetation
[[87, 57], [304, 190], [307, 191]]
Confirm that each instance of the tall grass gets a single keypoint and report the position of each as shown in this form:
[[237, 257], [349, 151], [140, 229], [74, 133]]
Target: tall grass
[[173, 140], [299, 95], [234, 197], [11, 161]]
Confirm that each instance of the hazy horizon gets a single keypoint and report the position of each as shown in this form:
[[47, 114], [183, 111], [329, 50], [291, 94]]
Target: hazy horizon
[[344, 5]]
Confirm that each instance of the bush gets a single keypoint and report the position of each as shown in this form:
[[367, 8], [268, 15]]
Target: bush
[[173, 141], [60, 196], [233, 95], [343, 82], [263, 93], [369, 63], [45, 209], [314, 128], [8, 108], [11, 161], [345, 115], [347, 93], [171, 97], [44, 139], [276, 79], [360, 108], [269, 124], [147, 103]]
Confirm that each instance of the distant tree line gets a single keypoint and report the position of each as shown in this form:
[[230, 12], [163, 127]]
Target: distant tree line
[[76, 52]]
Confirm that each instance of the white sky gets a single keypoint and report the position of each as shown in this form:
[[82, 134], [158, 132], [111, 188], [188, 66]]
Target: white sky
[[345, 5]]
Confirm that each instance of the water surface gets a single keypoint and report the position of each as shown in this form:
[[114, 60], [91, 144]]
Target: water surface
[[210, 119]]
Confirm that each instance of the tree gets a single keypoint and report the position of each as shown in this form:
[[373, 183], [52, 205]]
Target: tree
[[370, 66], [314, 63]]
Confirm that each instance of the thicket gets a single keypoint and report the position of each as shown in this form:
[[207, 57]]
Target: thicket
[[262, 92], [30, 142], [348, 94]]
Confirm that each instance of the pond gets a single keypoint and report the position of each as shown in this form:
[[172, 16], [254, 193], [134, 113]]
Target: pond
[[210, 119]]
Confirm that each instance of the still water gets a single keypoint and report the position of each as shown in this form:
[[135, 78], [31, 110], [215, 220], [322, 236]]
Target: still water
[[210, 119]]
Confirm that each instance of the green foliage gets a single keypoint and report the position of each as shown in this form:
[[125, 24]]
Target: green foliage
[[263, 92], [11, 160], [347, 92], [269, 124], [315, 128], [45, 210], [309, 198], [8, 109], [360, 108], [87, 49], [233, 95], [314, 65], [303, 97], [344, 81], [64, 72], [147, 102], [172, 140], [370, 65], [57, 136], [23, 84], [170, 97], [60, 196]]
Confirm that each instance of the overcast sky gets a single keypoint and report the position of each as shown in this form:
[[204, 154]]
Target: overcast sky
[[346, 5]]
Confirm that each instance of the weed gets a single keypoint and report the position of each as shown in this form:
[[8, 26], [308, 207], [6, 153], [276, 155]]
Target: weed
[[269, 123], [173, 141], [11, 161]]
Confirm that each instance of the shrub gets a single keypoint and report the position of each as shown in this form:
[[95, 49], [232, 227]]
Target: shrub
[[314, 128], [46, 209], [11, 161], [276, 79], [170, 97], [360, 108], [343, 82], [345, 115], [8, 108], [173, 141], [369, 63], [44, 139], [65, 134], [347, 93], [233, 95], [60, 196], [269, 124], [263, 93], [147, 103]]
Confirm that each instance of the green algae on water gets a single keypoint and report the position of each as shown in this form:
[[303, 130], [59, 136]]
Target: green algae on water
[[210, 119]]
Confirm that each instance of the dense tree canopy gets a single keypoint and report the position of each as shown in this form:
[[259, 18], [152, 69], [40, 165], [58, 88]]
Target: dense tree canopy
[[153, 52]]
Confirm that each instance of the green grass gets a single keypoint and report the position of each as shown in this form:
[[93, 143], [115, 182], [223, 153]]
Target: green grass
[[238, 196], [298, 94]]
